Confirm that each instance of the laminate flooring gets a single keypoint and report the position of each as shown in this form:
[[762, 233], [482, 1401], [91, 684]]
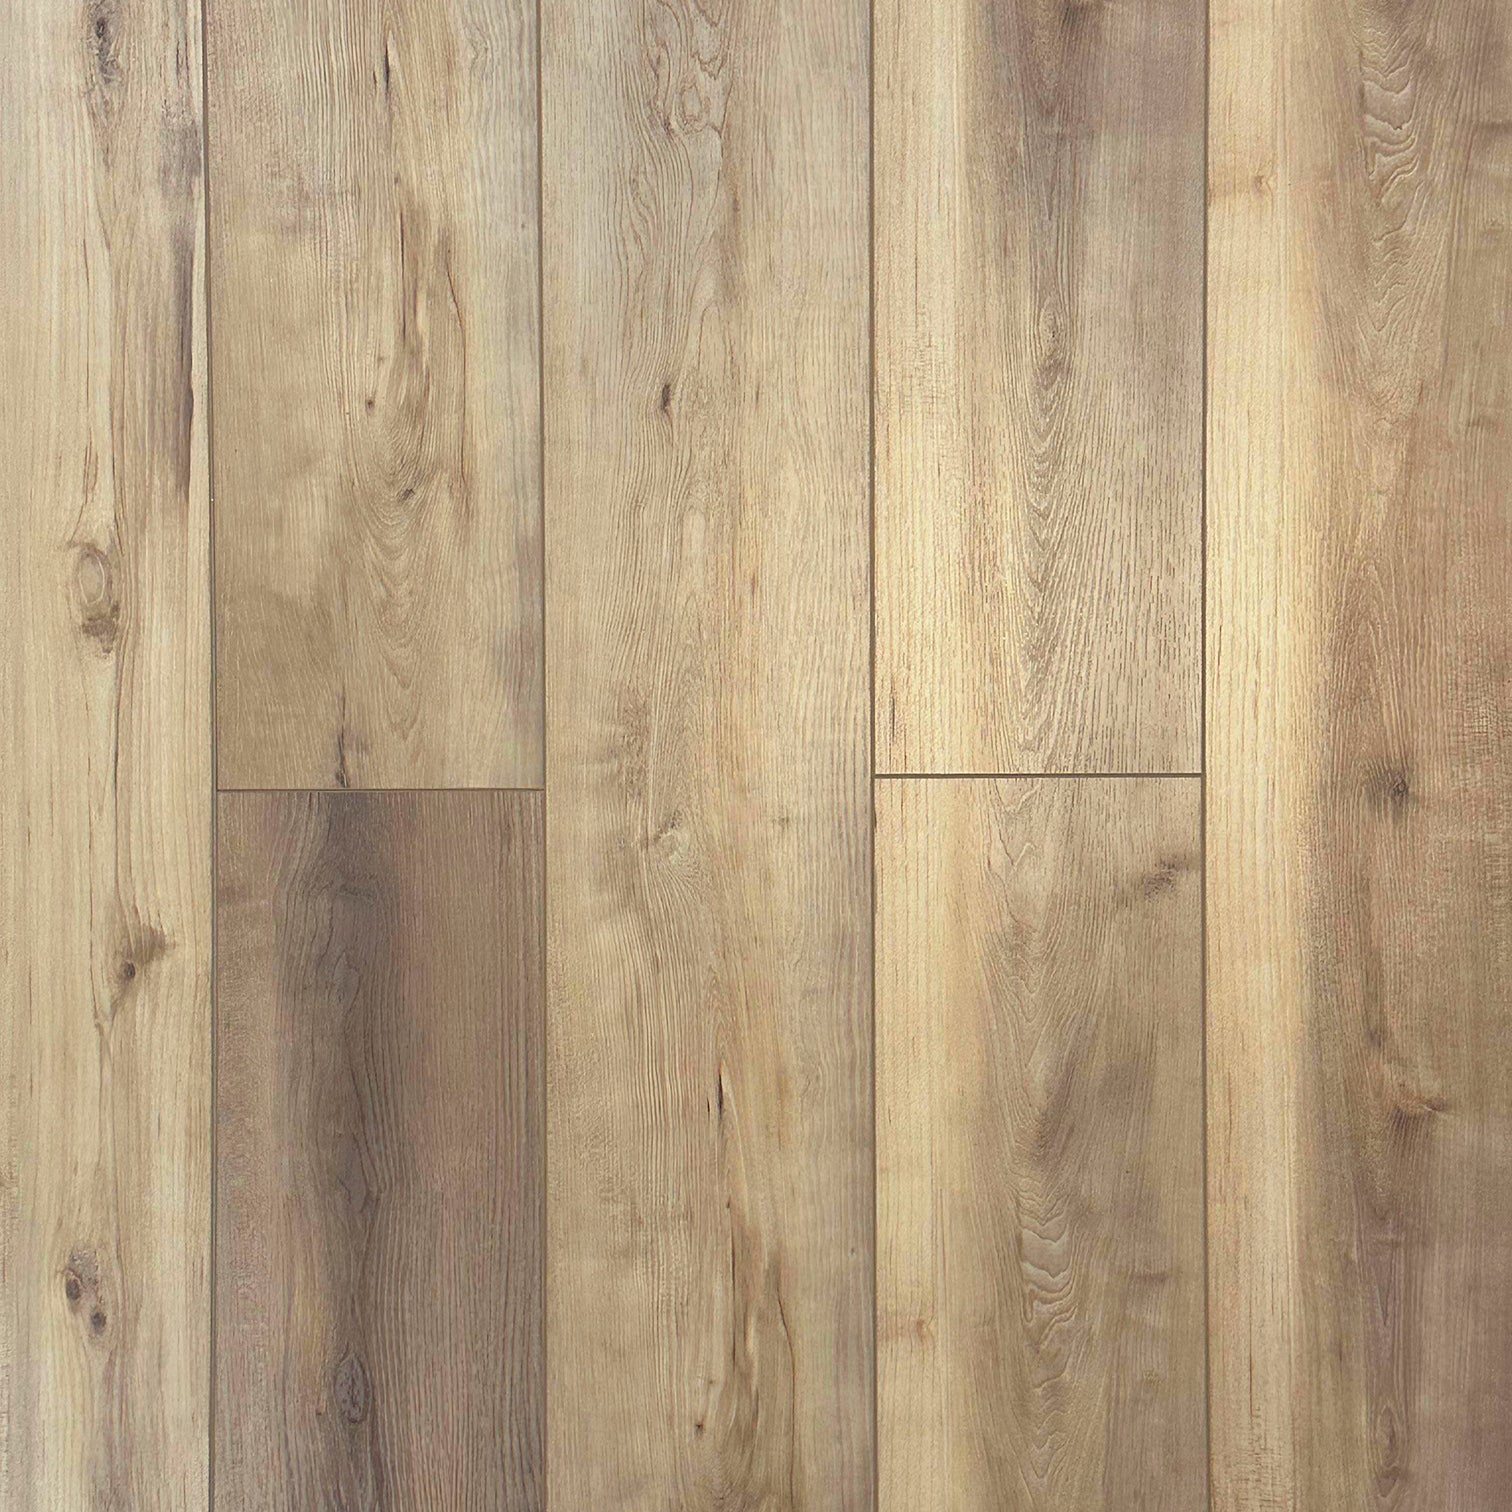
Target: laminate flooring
[[756, 756]]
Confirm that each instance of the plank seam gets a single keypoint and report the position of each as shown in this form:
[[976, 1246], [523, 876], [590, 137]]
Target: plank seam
[[227, 792], [543, 1113], [1029, 776], [1202, 795], [214, 805], [871, 603]]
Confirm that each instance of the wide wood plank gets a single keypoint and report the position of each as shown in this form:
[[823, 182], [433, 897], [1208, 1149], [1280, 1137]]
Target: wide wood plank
[[1039, 1146], [379, 998], [377, 439], [1360, 756], [104, 761], [1039, 385], [710, 1288]]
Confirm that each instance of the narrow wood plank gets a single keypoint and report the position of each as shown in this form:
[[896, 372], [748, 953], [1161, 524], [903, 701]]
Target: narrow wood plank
[[379, 994], [1360, 756], [710, 1289], [1039, 1146], [104, 761], [1039, 385], [377, 438]]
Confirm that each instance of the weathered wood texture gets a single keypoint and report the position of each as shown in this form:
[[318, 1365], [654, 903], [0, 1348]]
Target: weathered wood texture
[[1039, 1146], [710, 1292], [104, 761], [1360, 756], [1039, 385], [379, 1202], [377, 439]]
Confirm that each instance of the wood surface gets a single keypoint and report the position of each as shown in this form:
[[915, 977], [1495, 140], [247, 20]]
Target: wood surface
[[1039, 203], [710, 1287], [373, 220], [803, 392], [1039, 1145], [379, 1199], [104, 761], [1360, 756]]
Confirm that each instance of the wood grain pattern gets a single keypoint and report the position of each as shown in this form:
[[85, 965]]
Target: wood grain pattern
[[1360, 756], [377, 439], [709, 1304], [379, 993], [104, 761], [1039, 1146], [1039, 385]]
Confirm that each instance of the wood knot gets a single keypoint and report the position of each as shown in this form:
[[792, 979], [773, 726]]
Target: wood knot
[[105, 40], [99, 605], [1050, 339], [1162, 878], [81, 1286], [351, 1389], [670, 842], [1386, 1447], [1389, 789], [1410, 1107], [143, 944]]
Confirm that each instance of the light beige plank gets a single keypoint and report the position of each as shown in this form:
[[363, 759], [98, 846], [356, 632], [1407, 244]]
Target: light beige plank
[[377, 441], [104, 761], [1039, 1146], [709, 1297], [1039, 385], [1360, 756]]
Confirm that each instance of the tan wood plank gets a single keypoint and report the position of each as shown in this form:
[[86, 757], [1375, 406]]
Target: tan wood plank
[[710, 1290], [1039, 1146], [377, 441], [1360, 765], [379, 999], [1039, 385], [104, 761]]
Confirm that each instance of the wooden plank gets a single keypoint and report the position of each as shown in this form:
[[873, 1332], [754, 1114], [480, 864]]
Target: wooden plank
[[1039, 1145], [104, 761], [379, 1202], [1360, 756], [1039, 209], [377, 439], [709, 1303]]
